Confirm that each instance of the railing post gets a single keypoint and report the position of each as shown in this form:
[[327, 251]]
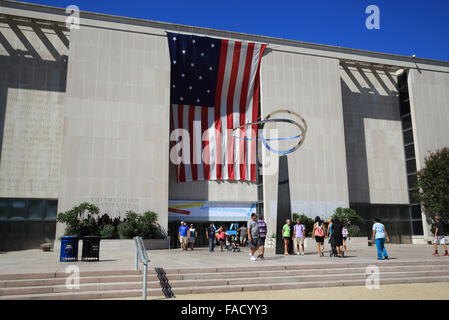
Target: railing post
[[136, 252], [144, 288]]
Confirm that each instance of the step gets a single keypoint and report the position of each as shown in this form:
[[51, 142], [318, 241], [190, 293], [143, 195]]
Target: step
[[216, 282], [202, 270], [215, 275], [219, 289]]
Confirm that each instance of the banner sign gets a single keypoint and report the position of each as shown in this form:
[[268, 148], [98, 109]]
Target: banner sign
[[209, 211]]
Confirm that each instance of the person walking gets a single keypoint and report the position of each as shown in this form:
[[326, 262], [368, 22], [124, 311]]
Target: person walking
[[379, 236], [286, 235], [210, 235], [221, 237], [192, 236], [243, 231], [253, 236], [346, 236], [440, 237], [299, 234], [337, 237], [262, 236], [318, 234], [182, 235]]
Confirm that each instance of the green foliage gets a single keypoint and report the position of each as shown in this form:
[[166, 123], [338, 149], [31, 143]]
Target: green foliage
[[432, 187], [306, 221], [351, 219], [348, 217], [144, 226], [125, 231], [108, 232], [80, 220]]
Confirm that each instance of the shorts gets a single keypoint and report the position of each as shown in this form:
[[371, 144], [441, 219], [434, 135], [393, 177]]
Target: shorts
[[254, 242], [192, 240], [344, 238], [299, 241], [286, 238], [337, 242], [261, 242], [319, 239], [183, 239], [440, 240]]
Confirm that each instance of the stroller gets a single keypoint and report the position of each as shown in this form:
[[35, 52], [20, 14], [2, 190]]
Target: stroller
[[231, 244], [333, 251]]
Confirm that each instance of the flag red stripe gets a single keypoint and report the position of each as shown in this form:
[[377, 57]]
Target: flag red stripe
[[255, 110], [182, 169], [243, 96], [221, 72], [172, 122], [230, 102], [193, 166], [205, 143]]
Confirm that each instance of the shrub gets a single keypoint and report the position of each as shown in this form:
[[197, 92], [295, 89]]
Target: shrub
[[80, 220], [144, 226], [125, 231], [108, 232], [348, 216]]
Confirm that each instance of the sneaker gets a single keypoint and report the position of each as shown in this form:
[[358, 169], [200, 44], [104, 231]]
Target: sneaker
[[435, 254], [446, 255], [302, 253], [297, 253], [386, 258], [253, 258], [380, 258]]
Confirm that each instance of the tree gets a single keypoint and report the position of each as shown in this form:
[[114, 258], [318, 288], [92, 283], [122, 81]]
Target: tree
[[432, 186], [351, 219]]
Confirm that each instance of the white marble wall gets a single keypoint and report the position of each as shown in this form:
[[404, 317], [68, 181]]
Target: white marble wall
[[115, 151], [373, 131], [309, 86], [429, 106], [32, 84]]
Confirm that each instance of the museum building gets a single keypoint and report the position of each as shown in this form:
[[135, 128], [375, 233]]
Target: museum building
[[85, 117]]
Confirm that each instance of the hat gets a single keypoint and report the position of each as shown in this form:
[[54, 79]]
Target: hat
[[182, 222]]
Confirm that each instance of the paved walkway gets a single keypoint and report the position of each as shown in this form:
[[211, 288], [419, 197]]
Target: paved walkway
[[123, 258], [410, 291]]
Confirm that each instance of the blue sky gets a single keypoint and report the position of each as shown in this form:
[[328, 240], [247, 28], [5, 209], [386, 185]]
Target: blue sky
[[406, 27]]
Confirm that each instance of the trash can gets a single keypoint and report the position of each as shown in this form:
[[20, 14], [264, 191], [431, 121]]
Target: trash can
[[91, 248], [69, 249]]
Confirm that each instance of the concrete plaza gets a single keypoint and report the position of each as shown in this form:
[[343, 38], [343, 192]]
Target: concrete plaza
[[119, 255]]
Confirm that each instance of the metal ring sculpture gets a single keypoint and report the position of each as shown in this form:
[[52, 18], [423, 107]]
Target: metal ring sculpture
[[301, 126]]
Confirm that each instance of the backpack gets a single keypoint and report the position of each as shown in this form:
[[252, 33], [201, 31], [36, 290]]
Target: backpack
[[319, 230]]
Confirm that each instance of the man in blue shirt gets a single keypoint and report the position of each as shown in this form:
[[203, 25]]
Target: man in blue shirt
[[210, 234], [379, 236], [182, 234]]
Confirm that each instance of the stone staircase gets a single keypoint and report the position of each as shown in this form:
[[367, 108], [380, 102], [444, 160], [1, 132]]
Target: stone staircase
[[128, 283]]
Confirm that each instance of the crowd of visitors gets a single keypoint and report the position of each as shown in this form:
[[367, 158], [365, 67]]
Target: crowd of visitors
[[255, 234]]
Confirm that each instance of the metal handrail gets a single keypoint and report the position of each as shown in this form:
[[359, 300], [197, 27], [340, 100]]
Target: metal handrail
[[141, 254]]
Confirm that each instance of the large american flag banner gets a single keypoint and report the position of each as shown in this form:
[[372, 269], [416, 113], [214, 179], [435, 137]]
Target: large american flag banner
[[214, 89]]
